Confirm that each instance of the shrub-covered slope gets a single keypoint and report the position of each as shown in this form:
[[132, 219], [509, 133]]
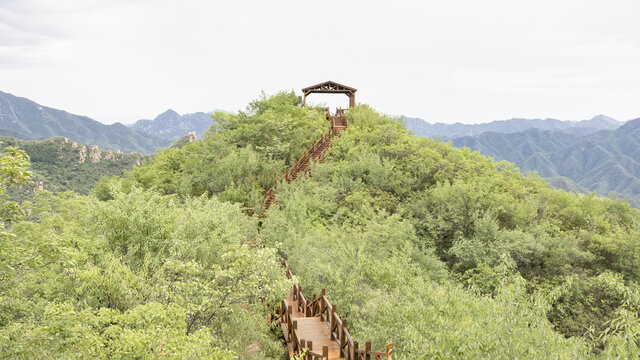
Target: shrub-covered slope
[[241, 156], [142, 276], [59, 165], [439, 250], [450, 255]]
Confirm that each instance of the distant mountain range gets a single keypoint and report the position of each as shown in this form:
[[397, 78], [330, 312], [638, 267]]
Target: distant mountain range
[[604, 161], [600, 154], [450, 131], [25, 119], [171, 125]]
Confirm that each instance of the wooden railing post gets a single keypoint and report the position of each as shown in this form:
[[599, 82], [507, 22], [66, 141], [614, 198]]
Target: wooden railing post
[[343, 326], [332, 316], [353, 354], [314, 305], [323, 307], [283, 310]]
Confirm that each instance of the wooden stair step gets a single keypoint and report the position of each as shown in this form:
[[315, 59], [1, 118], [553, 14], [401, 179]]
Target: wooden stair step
[[305, 166]]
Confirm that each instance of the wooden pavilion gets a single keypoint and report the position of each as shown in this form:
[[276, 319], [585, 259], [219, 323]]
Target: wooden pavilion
[[330, 87]]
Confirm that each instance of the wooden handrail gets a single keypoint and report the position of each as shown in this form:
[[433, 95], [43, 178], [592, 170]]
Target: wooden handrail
[[320, 307], [297, 166]]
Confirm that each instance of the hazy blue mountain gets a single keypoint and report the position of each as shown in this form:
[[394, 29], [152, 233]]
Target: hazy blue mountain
[[12, 134], [605, 161], [171, 125], [519, 147], [449, 131], [23, 118], [566, 184]]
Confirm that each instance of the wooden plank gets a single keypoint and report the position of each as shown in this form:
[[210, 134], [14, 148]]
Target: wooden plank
[[314, 330]]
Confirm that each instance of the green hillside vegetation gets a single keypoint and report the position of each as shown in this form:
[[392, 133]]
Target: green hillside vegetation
[[60, 165], [439, 250], [241, 156], [181, 142]]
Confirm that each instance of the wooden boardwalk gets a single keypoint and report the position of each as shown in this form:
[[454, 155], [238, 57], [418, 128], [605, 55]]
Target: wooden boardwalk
[[316, 153], [313, 327], [313, 332]]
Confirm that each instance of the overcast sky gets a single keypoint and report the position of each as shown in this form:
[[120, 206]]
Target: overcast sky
[[443, 61]]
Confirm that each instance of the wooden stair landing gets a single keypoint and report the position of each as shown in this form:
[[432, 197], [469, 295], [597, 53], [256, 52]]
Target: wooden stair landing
[[314, 330], [315, 327]]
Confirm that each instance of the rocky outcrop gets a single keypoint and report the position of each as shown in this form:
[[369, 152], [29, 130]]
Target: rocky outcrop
[[94, 153]]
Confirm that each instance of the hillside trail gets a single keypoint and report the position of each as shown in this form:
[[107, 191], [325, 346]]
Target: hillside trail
[[312, 328]]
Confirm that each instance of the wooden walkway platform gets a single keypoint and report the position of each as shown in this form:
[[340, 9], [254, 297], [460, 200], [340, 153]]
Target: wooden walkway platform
[[313, 332], [316, 153], [313, 327]]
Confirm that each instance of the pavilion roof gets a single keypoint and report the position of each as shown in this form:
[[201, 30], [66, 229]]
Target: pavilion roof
[[329, 87]]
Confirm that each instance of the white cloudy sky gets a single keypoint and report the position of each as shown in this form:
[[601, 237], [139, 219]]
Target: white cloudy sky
[[449, 61]]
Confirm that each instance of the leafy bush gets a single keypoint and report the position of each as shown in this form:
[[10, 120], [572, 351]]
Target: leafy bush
[[140, 276]]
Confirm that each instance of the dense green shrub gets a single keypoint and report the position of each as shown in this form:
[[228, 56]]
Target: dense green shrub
[[241, 155], [397, 227], [438, 250], [140, 276]]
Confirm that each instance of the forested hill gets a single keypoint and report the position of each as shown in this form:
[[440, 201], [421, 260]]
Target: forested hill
[[59, 165], [23, 118], [605, 161], [451, 131], [436, 249]]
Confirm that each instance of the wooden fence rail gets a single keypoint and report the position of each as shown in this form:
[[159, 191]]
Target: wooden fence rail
[[320, 307], [314, 154], [317, 318]]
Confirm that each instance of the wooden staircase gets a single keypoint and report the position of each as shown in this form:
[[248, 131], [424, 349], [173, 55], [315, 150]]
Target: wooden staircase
[[317, 152], [312, 328]]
